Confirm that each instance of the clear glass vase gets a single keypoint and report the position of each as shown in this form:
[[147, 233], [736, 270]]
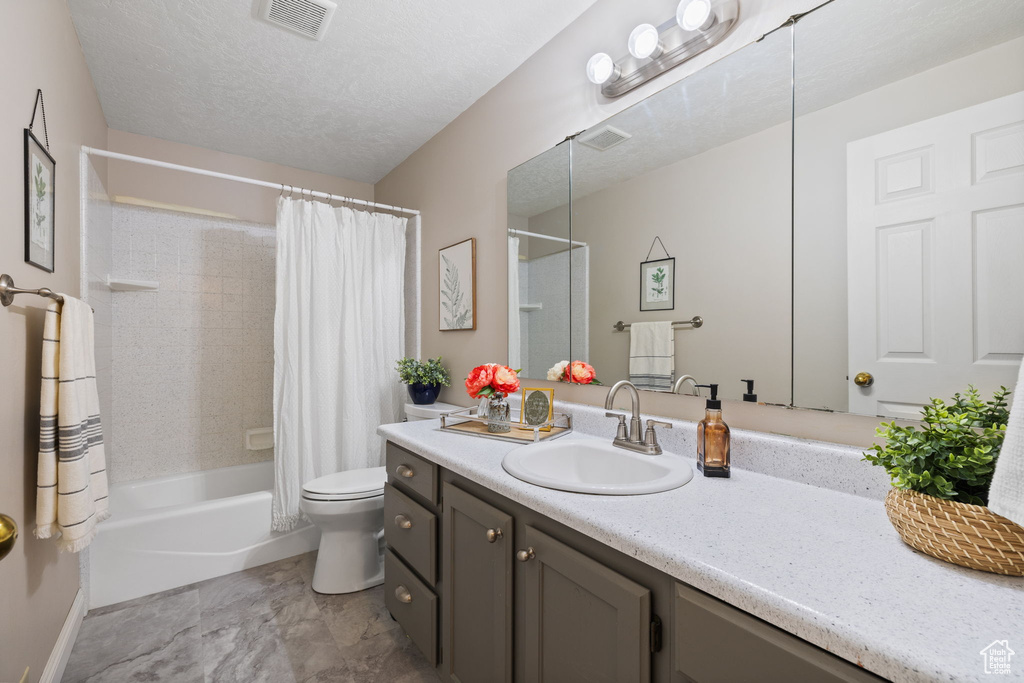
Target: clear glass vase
[[499, 411]]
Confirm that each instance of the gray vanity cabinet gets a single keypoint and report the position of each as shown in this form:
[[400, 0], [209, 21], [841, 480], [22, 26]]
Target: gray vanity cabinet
[[583, 622], [477, 589]]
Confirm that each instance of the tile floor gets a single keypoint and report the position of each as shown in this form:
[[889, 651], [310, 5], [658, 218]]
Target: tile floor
[[261, 624]]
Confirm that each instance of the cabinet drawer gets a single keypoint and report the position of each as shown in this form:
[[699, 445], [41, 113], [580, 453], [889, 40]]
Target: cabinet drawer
[[413, 472], [411, 530], [713, 641], [412, 604]]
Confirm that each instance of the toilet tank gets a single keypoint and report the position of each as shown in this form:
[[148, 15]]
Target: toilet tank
[[430, 412]]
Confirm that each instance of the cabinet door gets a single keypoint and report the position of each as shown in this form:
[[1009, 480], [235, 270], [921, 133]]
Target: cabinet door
[[477, 589], [582, 622]]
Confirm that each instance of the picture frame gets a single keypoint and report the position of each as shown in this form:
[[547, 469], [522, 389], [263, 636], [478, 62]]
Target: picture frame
[[532, 411], [40, 172], [658, 285], [456, 286]]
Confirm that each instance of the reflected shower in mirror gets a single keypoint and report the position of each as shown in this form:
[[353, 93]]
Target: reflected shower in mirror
[[909, 202], [704, 165]]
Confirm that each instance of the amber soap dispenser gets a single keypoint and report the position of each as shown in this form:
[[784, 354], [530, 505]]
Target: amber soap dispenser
[[713, 438]]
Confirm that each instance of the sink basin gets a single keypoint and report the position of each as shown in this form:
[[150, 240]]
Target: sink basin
[[594, 466]]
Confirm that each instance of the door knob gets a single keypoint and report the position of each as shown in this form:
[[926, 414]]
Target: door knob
[[493, 535], [403, 522], [526, 555], [863, 379], [8, 535], [403, 594]]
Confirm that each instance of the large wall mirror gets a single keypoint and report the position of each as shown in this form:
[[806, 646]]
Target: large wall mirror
[[843, 197]]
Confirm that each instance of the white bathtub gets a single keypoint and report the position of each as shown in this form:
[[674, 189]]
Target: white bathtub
[[172, 531]]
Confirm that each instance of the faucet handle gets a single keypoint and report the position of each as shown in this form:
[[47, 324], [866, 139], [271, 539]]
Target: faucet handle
[[620, 431], [651, 424]]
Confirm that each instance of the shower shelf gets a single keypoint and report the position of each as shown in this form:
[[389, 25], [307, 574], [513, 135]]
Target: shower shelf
[[529, 308], [121, 285]]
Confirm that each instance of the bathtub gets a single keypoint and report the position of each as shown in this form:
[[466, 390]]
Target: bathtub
[[175, 530]]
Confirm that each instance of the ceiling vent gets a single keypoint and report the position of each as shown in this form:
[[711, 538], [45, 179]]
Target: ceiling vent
[[309, 18], [603, 138]]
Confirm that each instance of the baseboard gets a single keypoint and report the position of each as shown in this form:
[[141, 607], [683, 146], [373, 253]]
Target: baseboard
[[58, 660]]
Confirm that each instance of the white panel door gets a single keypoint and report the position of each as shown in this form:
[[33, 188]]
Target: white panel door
[[935, 264]]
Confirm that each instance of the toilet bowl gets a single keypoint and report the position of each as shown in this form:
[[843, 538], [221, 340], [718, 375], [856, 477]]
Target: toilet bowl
[[348, 508]]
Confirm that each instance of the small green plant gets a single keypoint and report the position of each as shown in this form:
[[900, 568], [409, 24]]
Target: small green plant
[[954, 453], [412, 371]]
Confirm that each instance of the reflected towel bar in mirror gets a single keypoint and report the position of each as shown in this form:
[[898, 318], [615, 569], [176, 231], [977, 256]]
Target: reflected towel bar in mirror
[[695, 322]]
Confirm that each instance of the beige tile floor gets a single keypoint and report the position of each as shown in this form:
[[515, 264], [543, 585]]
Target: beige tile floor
[[261, 624]]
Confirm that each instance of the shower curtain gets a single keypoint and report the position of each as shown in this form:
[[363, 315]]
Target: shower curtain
[[514, 330], [339, 328]]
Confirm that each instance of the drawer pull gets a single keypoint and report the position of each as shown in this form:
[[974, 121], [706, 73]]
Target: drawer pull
[[403, 594], [526, 555], [493, 535], [405, 471], [403, 522]]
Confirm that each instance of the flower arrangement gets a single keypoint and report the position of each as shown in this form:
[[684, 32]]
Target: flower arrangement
[[576, 372], [491, 379]]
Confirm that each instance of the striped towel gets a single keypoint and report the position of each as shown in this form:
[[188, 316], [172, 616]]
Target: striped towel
[[71, 490], [652, 350]]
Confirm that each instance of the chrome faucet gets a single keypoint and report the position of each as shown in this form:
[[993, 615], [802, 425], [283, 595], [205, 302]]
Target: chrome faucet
[[681, 380], [632, 441]]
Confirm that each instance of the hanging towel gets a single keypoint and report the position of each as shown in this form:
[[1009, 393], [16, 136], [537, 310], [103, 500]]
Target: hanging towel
[[71, 491], [652, 362], [1006, 494]]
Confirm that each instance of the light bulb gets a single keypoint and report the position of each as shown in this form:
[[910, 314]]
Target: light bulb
[[601, 69], [644, 42], [695, 15]]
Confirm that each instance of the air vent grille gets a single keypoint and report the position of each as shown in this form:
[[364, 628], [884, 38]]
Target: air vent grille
[[603, 138], [305, 17]]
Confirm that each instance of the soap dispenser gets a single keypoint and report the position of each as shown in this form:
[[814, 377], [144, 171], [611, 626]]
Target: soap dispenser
[[749, 396], [713, 438]]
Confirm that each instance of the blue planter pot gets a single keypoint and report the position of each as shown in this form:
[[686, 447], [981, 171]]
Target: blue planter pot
[[424, 394]]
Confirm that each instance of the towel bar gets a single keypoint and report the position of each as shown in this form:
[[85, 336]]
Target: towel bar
[[8, 290], [695, 322]]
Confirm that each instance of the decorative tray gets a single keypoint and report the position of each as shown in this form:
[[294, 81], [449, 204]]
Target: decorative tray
[[466, 421]]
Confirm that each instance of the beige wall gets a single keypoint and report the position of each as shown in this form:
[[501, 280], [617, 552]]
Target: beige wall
[[174, 189], [39, 49], [458, 180]]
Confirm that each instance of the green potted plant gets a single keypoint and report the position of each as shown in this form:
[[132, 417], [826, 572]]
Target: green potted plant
[[941, 473], [425, 379]]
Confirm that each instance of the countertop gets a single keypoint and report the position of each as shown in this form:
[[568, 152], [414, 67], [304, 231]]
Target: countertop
[[822, 564]]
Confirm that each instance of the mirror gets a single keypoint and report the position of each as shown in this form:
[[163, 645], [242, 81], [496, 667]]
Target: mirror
[[539, 263], [908, 202]]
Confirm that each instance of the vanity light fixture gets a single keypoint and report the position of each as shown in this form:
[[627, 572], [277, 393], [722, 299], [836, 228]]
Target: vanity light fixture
[[697, 26]]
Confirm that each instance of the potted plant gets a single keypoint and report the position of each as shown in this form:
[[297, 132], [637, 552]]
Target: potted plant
[[424, 379], [941, 473]]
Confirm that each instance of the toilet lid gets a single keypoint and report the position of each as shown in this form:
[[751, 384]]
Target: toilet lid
[[347, 485]]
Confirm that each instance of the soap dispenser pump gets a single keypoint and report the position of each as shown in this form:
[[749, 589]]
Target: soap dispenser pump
[[749, 395], [713, 438]]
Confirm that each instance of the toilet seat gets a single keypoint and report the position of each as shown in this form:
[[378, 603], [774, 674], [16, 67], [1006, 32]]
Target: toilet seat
[[347, 485]]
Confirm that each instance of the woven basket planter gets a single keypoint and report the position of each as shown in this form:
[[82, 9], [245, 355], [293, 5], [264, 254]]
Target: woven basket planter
[[968, 535]]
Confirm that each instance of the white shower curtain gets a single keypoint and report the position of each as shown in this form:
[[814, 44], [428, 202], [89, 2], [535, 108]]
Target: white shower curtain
[[514, 329], [339, 327]]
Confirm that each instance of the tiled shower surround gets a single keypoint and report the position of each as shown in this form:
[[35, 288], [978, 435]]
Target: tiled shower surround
[[193, 362]]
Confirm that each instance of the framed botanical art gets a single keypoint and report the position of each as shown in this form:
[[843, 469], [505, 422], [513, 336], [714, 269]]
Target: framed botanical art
[[456, 284], [538, 407], [39, 203], [658, 285]]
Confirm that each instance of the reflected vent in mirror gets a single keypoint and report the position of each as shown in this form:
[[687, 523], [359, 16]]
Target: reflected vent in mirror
[[309, 18], [603, 138]]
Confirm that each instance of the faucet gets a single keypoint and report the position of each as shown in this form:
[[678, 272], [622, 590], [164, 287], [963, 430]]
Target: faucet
[[679, 384], [649, 444]]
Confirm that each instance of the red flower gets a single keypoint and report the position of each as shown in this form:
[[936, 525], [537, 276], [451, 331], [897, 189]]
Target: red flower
[[505, 380], [480, 378], [579, 372]]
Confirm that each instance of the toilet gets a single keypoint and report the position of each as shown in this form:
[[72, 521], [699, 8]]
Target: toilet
[[348, 508]]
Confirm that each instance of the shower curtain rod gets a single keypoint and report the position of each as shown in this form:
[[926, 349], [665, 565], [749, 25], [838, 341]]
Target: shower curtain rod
[[241, 179], [516, 233]]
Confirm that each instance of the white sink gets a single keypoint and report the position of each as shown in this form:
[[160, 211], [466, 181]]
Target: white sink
[[594, 466]]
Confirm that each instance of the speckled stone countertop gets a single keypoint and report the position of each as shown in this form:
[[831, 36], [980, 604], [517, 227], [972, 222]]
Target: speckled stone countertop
[[804, 554]]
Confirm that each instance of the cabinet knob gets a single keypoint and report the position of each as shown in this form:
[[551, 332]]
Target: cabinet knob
[[403, 522], [864, 379], [526, 555], [403, 594], [405, 471], [493, 535]]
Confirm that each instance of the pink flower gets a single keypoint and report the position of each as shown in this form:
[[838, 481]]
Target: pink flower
[[579, 372], [480, 378], [505, 380]]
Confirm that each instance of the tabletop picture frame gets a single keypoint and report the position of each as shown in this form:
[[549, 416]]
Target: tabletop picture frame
[[538, 407], [40, 172]]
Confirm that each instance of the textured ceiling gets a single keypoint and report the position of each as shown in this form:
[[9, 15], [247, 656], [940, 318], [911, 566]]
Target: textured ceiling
[[385, 79], [842, 50]]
